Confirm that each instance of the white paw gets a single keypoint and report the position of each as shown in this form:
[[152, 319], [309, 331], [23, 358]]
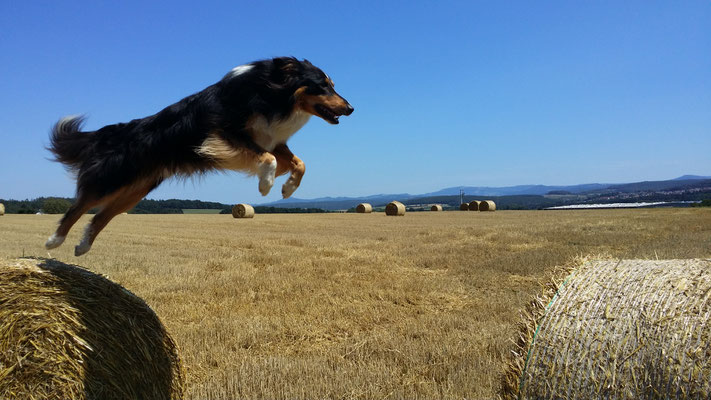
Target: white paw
[[288, 189], [54, 241], [81, 249], [85, 244], [266, 175]]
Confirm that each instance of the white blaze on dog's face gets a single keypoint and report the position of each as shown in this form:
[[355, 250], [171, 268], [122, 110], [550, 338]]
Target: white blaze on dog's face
[[240, 69]]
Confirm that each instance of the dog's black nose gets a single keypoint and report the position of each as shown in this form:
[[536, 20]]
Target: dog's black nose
[[349, 109]]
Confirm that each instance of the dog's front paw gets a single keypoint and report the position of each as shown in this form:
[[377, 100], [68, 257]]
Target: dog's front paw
[[267, 172], [265, 185], [288, 189]]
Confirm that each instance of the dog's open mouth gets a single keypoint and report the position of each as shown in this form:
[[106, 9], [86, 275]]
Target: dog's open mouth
[[327, 114]]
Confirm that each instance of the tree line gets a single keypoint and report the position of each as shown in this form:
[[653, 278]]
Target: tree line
[[60, 205]]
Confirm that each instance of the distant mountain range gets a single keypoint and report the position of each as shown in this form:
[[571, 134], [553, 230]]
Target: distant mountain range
[[448, 195], [680, 191]]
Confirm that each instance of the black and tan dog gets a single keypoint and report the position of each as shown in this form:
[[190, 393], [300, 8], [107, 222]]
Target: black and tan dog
[[240, 123]]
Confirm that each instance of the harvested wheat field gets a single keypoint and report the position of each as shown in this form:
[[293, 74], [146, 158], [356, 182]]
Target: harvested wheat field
[[342, 306]]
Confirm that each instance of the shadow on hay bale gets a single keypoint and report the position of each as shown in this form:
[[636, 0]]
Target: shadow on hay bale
[[617, 329], [67, 333]]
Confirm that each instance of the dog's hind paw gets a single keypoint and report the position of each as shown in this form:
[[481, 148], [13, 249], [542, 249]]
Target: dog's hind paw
[[54, 241], [85, 244], [81, 249]]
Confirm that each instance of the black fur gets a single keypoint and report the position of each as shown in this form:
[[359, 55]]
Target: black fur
[[164, 144]]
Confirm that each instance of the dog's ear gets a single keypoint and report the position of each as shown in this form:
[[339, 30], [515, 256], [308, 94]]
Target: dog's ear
[[287, 65], [285, 73]]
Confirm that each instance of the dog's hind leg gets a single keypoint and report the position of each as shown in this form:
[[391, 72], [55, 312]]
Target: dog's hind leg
[[287, 161], [83, 204], [122, 200]]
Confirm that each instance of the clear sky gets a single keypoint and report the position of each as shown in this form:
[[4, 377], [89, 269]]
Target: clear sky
[[445, 93]]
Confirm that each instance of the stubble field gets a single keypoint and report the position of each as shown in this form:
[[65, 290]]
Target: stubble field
[[353, 306]]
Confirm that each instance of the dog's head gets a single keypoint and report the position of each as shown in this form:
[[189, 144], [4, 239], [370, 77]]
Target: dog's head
[[314, 91]]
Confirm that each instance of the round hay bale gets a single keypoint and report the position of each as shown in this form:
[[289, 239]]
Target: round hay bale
[[67, 333], [364, 208], [395, 208], [2, 209], [487, 205], [464, 207], [243, 211], [617, 329], [436, 207], [474, 205]]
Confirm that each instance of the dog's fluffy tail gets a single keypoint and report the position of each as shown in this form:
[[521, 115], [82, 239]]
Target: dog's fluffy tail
[[69, 145]]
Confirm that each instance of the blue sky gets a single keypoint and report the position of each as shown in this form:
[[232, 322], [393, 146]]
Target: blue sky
[[445, 93]]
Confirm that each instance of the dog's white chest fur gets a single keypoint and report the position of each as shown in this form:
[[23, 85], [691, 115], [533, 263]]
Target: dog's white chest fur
[[269, 134]]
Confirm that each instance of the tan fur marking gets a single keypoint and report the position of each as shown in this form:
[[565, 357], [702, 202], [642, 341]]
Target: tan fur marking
[[307, 102], [287, 161], [122, 200], [229, 157], [217, 148]]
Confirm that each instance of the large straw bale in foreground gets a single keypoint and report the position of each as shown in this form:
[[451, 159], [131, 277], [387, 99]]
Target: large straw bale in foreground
[[474, 205], [364, 208], [618, 329], [436, 207], [67, 333], [2, 209], [395, 208], [487, 205], [243, 211]]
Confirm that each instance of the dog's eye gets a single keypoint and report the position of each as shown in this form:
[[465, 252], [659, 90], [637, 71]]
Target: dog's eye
[[315, 89]]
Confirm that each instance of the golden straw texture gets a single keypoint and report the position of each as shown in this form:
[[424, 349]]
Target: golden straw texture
[[474, 205], [67, 333], [2, 209], [619, 329], [487, 205], [243, 211], [364, 208], [395, 208]]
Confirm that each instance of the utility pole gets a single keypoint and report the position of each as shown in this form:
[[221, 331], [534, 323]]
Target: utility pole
[[461, 196]]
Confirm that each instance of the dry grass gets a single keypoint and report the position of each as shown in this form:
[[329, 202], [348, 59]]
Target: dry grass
[[353, 306]]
